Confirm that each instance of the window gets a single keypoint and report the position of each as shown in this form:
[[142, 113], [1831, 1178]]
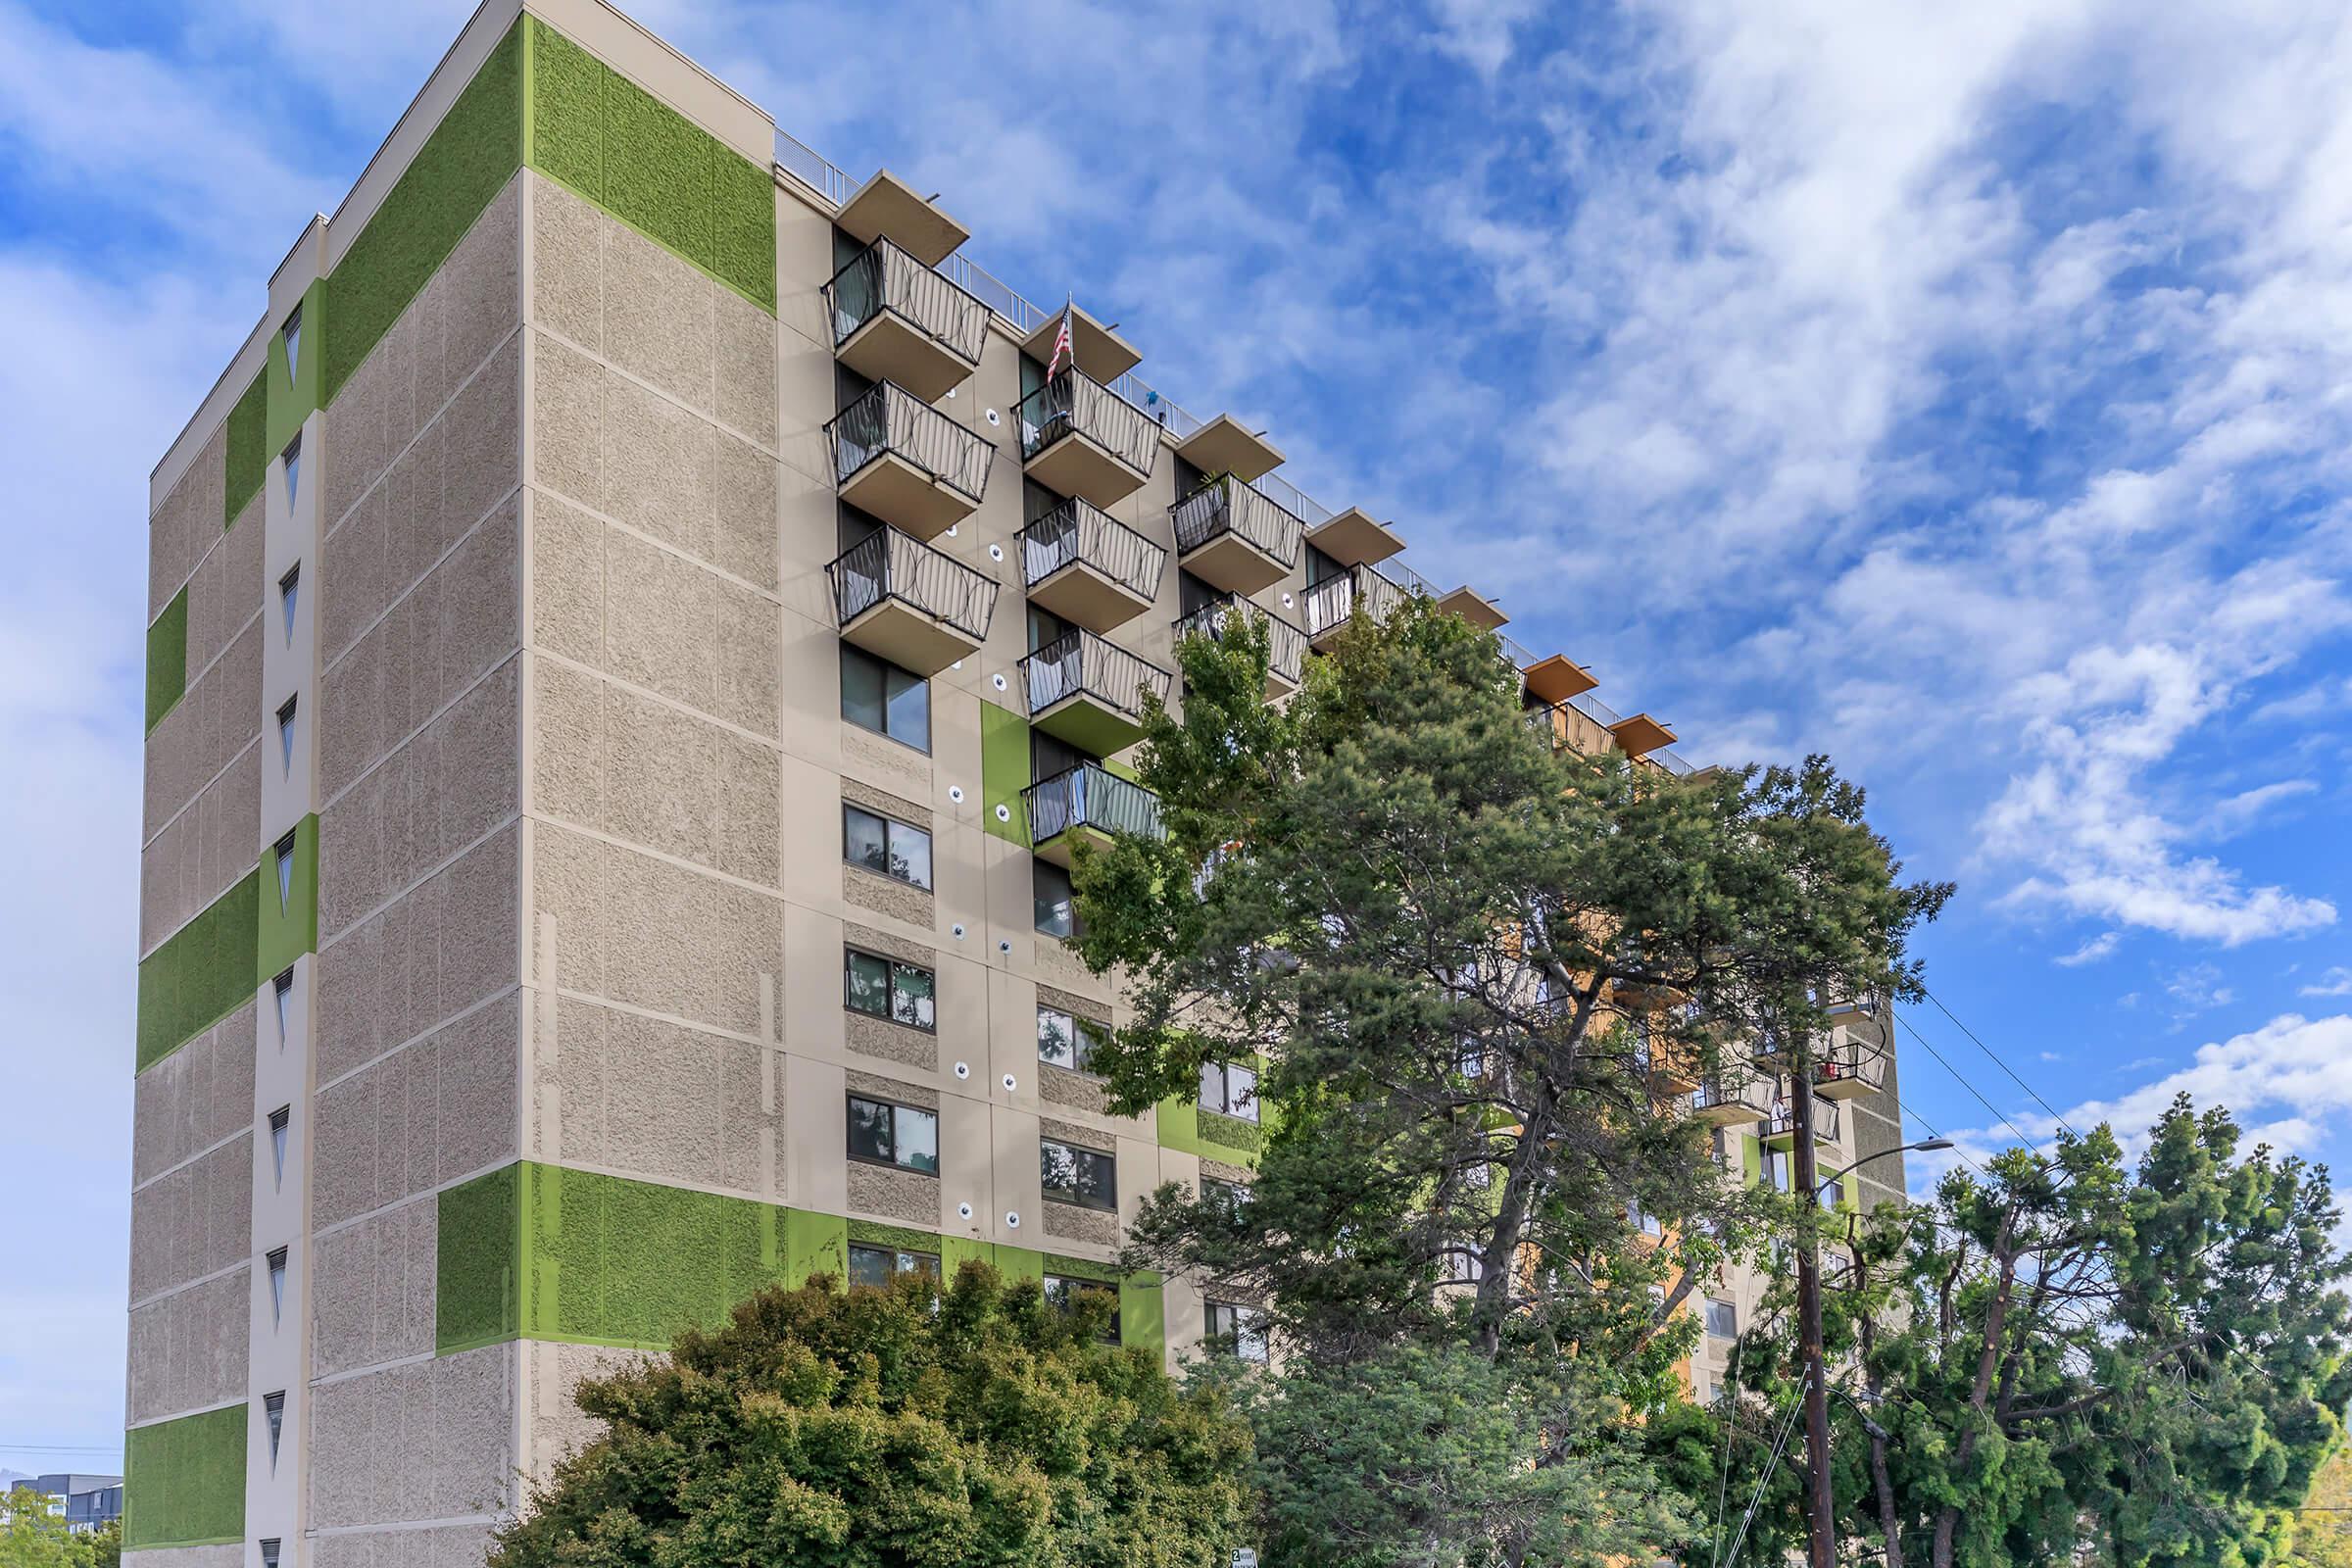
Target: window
[[1062, 1291], [291, 334], [884, 1134], [285, 737], [1064, 1039], [1463, 1268], [1723, 1319], [277, 1284], [1470, 1058], [1642, 1219], [879, 1265], [1230, 1089], [279, 1122], [1049, 890], [284, 988], [293, 468], [1086, 1177], [884, 988], [269, 1553], [284, 851], [879, 695], [288, 590], [1242, 1329], [273, 1406], [886, 847], [1231, 1196]]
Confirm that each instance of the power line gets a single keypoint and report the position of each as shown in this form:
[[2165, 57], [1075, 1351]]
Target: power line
[[1962, 1080], [1999, 1062]]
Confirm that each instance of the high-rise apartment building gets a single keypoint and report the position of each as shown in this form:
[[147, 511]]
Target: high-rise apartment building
[[635, 632]]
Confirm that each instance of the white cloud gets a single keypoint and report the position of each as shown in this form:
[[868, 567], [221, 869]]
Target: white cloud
[[2336, 982], [2092, 951]]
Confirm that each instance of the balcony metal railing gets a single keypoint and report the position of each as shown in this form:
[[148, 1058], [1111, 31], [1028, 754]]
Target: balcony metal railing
[[883, 277], [887, 419], [1548, 719], [1079, 530], [1848, 1061], [1714, 1094], [1782, 1120], [1093, 797], [1226, 505], [1073, 400], [1331, 600], [888, 564], [1080, 663], [1285, 644]]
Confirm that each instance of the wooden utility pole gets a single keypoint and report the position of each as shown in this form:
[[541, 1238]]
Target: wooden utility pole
[[1804, 1176]]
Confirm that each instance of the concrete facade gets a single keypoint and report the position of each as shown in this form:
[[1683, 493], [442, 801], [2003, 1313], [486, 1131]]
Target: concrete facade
[[511, 688]]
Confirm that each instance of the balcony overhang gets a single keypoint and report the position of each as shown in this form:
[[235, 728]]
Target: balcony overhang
[[887, 206], [1084, 596], [1061, 848], [1669, 1075], [1554, 680], [1223, 446], [891, 348], [1474, 608], [1232, 563], [1640, 735], [1098, 349], [905, 497], [1354, 538], [910, 638], [1848, 1082], [1727, 1114], [1078, 465], [1786, 1137], [1091, 722]]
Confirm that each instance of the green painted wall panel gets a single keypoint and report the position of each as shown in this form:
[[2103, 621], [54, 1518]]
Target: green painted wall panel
[[293, 392], [1003, 772], [288, 927], [204, 972], [466, 160], [1144, 1315], [477, 1295], [167, 659], [650, 167], [1751, 1159], [249, 451], [183, 1481]]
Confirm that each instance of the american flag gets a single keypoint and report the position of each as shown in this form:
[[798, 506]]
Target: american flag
[[1062, 346]]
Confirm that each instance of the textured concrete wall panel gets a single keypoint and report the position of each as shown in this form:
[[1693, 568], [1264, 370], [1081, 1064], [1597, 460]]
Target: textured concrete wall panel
[[194, 1098], [188, 1349], [430, 1113], [372, 1290], [430, 1439], [652, 1099], [192, 1222]]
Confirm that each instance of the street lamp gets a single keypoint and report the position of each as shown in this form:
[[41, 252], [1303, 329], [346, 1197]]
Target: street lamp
[[1923, 1147]]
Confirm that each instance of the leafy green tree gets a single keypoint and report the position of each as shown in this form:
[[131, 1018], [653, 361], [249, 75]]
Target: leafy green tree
[[1461, 956], [970, 1424], [35, 1538], [2322, 1532], [105, 1544], [2080, 1354]]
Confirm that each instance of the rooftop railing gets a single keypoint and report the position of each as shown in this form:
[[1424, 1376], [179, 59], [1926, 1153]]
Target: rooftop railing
[[888, 564], [886, 420], [1078, 530], [883, 277], [1090, 796]]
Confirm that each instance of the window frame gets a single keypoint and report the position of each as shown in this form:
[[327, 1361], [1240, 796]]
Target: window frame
[[1225, 1071], [1068, 902], [1237, 1336], [1074, 1195], [273, 1412], [1707, 1316], [281, 1137], [275, 1262], [889, 826], [896, 1109], [1086, 1035], [850, 952], [884, 668], [896, 1255], [1062, 1290]]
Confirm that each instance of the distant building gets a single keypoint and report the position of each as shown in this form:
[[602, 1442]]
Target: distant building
[[85, 1502]]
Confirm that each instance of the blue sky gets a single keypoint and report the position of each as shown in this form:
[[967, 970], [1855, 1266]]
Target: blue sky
[[1958, 390]]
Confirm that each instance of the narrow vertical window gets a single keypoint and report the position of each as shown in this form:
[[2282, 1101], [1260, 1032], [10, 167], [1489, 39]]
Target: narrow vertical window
[[285, 871], [291, 332], [285, 737], [277, 1284], [269, 1553], [289, 588], [293, 469], [280, 1121], [284, 987], [273, 1406]]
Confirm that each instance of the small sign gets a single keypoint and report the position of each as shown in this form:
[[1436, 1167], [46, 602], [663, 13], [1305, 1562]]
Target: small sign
[[1245, 1557]]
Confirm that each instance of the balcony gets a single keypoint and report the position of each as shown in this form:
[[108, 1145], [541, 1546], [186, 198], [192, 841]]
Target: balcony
[[1285, 644], [1089, 567], [1672, 1066], [906, 462], [1354, 538], [1333, 601], [895, 320], [1729, 1101], [1849, 1069], [1780, 1131], [1089, 693], [902, 600], [1088, 804], [1225, 446], [1079, 438], [1229, 535]]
